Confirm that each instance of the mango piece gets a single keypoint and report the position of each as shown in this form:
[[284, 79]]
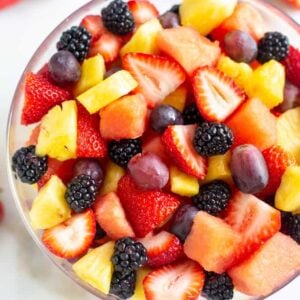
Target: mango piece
[[183, 184], [112, 88], [139, 293], [177, 99]]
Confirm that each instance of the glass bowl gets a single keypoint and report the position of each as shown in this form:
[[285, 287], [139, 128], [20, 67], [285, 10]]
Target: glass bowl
[[17, 134]]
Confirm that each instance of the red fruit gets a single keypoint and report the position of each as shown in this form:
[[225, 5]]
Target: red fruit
[[40, 96], [272, 266], [111, 217], [255, 220], [62, 169], [145, 210], [178, 142], [94, 25], [295, 3], [34, 136], [277, 161], [181, 281], [212, 243], [108, 45], [142, 11], [89, 140], [216, 95], [72, 238], [188, 48], [131, 115], [162, 249], [157, 76], [1, 211], [5, 3], [292, 66]]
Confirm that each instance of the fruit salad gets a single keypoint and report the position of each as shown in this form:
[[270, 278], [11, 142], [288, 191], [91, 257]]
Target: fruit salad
[[165, 151]]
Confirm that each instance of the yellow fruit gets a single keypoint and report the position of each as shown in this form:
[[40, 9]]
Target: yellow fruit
[[113, 174], [177, 99], [144, 39], [288, 132], [183, 184], [50, 208], [139, 293], [112, 88], [205, 15], [240, 72], [218, 168], [58, 134], [288, 194], [267, 83], [96, 267], [92, 72]]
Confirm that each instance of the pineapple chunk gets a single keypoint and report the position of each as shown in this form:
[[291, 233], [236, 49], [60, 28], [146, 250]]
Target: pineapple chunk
[[288, 194], [267, 83], [96, 267], [177, 99], [50, 208], [144, 39], [205, 15], [58, 134], [183, 184], [139, 293], [113, 174], [92, 72], [218, 168], [288, 128], [112, 88]]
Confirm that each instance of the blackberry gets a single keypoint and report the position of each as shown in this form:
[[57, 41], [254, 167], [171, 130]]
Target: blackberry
[[274, 45], [290, 225], [28, 166], [212, 139], [81, 193], [213, 197], [218, 286], [122, 151], [123, 286], [128, 256], [191, 115], [76, 40], [117, 18]]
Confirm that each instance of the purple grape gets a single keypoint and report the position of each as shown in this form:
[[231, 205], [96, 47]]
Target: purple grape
[[183, 221], [64, 68], [148, 171], [291, 97], [249, 169], [91, 167], [164, 115], [240, 46], [169, 20]]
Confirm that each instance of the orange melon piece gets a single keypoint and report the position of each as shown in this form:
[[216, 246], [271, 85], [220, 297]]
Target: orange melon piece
[[273, 265], [190, 49], [253, 123], [212, 243], [124, 118]]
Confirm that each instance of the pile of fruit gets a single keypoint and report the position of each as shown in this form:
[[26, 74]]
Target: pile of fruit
[[175, 171]]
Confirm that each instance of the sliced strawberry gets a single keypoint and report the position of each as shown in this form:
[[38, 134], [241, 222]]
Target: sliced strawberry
[[40, 96], [6, 3], [145, 210], [178, 142], [292, 66], [162, 249], [217, 96], [108, 45], [254, 219], [157, 76], [72, 238], [94, 25], [89, 140], [182, 281], [142, 11]]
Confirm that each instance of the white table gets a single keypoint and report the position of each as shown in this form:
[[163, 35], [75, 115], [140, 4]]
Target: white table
[[25, 273]]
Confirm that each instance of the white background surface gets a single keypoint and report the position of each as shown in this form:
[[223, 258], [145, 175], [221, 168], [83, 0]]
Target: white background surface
[[24, 272]]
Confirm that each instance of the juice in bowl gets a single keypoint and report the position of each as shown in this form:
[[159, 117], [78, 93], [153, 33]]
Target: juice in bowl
[[153, 149]]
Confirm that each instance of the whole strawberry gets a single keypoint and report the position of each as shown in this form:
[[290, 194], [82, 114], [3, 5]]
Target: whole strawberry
[[292, 66]]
